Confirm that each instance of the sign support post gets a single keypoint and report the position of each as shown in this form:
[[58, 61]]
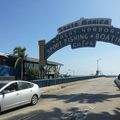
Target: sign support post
[[42, 59]]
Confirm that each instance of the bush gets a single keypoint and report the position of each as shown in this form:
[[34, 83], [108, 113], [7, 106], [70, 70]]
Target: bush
[[32, 74]]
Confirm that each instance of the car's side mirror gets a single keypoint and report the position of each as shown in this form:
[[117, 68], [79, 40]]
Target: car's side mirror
[[2, 92]]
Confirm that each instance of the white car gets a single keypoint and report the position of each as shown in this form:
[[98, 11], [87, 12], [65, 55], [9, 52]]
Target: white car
[[18, 93]]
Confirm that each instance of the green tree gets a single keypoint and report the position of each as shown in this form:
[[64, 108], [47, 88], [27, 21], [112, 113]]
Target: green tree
[[19, 52], [32, 74]]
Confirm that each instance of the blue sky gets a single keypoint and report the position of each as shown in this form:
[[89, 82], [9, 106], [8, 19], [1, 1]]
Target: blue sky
[[24, 22]]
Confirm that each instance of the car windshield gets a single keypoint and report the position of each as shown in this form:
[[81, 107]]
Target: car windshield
[[2, 84]]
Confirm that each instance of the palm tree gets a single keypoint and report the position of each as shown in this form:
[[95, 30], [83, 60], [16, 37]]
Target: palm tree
[[20, 53]]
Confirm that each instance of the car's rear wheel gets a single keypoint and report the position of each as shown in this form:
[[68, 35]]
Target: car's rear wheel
[[34, 100]]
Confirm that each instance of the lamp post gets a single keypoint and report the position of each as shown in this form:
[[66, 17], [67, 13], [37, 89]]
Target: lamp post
[[69, 71], [97, 71]]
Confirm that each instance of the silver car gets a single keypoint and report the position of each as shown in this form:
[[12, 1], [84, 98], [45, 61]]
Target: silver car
[[18, 93]]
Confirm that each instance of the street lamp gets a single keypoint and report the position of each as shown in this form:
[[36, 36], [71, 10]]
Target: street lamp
[[97, 71]]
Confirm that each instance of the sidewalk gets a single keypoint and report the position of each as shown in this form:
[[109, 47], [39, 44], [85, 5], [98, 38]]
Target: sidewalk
[[60, 86]]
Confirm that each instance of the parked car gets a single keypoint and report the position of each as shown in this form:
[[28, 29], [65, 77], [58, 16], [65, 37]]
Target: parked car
[[117, 81], [18, 93]]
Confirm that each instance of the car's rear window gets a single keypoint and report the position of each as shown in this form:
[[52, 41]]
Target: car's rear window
[[23, 85], [2, 84]]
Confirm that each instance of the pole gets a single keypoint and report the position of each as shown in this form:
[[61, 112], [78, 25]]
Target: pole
[[97, 71], [42, 59], [97, 65]]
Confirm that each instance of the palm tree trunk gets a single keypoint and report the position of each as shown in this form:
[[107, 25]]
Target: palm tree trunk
[[22, 70]]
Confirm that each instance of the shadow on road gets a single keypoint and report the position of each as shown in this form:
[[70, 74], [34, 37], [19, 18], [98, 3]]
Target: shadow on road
[[56, 114], [82, 97], [105, 115]]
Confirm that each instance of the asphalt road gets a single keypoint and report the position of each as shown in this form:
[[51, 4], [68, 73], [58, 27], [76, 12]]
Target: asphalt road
[[95, 99]]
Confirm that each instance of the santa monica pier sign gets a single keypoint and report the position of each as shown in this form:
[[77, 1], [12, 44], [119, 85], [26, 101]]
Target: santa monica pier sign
[[81, 33]]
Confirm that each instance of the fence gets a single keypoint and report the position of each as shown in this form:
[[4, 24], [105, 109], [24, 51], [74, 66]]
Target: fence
[[50, 82], [7, 77]]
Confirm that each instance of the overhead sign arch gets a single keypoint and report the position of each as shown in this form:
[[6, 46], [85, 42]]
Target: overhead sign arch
[[82, 33]]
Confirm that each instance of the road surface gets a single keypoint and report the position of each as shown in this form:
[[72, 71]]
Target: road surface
[[94, 99]]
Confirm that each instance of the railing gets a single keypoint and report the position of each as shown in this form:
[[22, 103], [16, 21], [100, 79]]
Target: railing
[[7, 77], [50, 82]]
